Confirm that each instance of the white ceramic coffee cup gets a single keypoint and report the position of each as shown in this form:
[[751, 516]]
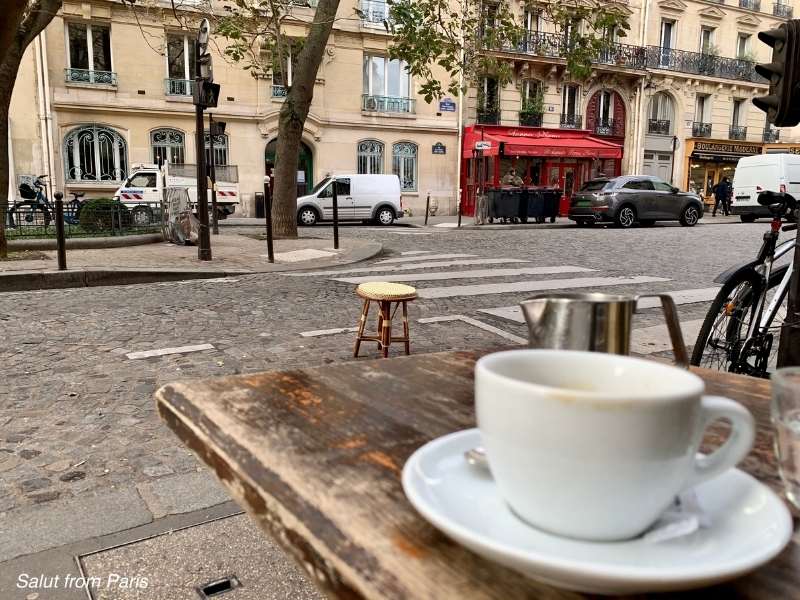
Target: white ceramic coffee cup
[[596, 446]]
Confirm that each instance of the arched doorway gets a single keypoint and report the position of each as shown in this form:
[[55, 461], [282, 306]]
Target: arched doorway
[[305, 165]]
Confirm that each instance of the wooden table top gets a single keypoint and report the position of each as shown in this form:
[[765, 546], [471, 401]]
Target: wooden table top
[[315, 456]]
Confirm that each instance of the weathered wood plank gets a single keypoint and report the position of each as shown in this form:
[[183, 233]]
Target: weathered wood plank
[[315, 456]]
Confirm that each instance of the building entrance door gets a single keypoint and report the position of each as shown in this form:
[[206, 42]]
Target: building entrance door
[[566, 176]]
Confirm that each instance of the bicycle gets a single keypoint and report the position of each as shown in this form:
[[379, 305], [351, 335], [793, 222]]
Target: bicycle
[[36, 210], [738, 333]]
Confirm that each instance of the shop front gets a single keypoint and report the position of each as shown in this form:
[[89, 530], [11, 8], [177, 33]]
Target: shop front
[[708, 162], [781, 149], [551, 158]]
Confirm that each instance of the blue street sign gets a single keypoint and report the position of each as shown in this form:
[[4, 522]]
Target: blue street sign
[[447, 105]]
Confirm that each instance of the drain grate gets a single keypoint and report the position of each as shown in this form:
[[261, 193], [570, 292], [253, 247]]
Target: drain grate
[[218, 587]]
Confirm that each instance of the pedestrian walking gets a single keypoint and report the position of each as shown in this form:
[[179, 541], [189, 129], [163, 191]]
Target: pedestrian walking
[[722, 195]]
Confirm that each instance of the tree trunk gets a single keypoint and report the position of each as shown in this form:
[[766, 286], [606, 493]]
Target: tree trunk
[[293, 117]]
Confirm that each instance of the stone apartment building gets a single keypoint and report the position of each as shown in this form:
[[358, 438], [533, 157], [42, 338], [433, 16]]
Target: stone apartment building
[[106, 87], [672, 98]]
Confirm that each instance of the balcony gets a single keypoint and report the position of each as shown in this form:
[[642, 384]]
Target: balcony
[[608, 126], [770, 136], [700, 129], [178, 87], [568, 121], [488, 116], [737, 132], [90, 77], [659, 126], [750, 4], [374, 11], [699, 63], [782, 10], [279, 91], [556, 45], [530, 119], [387, 104]]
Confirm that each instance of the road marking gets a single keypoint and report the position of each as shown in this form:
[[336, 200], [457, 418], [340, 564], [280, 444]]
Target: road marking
[[428, 257], [476, 323], [301, 255], [411, 267], [649, 340], [446, 225], [475, 273], [165, 351], [321, 332], [410, 252], [514, 313], [531, 286]]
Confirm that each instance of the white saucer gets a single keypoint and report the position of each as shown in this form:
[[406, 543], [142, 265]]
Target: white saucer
[[749, 526]]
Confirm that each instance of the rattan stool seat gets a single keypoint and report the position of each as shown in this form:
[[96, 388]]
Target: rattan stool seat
[[381, 290]]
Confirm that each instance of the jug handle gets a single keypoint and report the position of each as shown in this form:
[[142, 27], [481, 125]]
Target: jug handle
[[673, 326]]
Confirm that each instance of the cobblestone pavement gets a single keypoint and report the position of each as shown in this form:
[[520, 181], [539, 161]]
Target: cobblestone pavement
[[77, 417]]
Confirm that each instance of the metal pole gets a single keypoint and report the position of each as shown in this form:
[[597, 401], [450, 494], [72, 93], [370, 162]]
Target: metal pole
[[60, 237], [672, 161], [428, 206], [213, 173], [459, 207], [204, 245], [335, 215], [268, 217]]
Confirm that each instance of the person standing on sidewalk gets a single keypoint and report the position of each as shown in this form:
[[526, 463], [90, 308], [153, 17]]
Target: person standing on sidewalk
[[722, 194]]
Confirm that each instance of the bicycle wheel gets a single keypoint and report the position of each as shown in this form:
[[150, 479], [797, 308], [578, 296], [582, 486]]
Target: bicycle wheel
[[720, 344]]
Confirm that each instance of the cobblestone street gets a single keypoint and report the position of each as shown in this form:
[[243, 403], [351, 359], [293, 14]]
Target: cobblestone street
[[77, 419]]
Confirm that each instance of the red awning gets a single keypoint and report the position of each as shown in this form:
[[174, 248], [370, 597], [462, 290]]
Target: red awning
[[491, 143], [584, 147]]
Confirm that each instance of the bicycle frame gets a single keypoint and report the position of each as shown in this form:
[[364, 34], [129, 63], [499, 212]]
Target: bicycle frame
[[783, 287]]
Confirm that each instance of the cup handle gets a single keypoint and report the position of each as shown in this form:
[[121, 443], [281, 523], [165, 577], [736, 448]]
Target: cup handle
[[673, 326], [734, 449]]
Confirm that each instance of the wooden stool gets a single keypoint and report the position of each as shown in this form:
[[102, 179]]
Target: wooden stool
[[384, 294]]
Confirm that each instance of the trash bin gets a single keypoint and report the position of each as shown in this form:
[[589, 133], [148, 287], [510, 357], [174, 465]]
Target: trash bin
[[535, 205], [550, 203]]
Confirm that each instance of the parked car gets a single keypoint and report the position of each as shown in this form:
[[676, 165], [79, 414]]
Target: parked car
[[632, 199], [763, 173], [359, 197]]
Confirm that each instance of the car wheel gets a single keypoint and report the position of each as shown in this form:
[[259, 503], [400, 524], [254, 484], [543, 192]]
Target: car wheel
[[690, 216], [647, 222], [307, 216], [626, 217], [748, 218], [384, 216], [141, 216]]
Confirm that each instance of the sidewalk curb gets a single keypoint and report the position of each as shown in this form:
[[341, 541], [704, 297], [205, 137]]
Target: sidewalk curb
[[20, 281], [86, 243]]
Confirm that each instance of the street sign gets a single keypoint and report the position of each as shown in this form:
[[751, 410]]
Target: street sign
[[447, 105], [483, 145], [439, 148]]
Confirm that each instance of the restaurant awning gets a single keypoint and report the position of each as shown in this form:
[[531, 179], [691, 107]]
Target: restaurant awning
[[586, 147]]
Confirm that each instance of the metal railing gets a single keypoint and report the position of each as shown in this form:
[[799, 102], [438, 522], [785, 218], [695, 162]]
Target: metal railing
[[770, 135], [737, 132], [568, 121], [608, 126], [488, 117], [700, 129], [659, 126], [750, 4], [90, 77], [178, 87], [279, 91], [387, 104], [702, 64], [556, 45], [782, 10], [374, 11], [530, 119]]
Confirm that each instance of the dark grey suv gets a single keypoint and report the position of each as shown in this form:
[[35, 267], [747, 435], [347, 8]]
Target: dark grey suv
[[632, 199]]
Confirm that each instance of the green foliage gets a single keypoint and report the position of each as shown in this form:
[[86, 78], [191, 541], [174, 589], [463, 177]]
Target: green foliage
[[104, 214]]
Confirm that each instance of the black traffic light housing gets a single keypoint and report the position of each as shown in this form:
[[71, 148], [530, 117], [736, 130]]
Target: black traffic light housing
[[782, 105], [206, 94]]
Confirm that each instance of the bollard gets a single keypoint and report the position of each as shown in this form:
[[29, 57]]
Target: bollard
[[459, 211], [268, 217], [60, 238], [335, 214], [427, 208]]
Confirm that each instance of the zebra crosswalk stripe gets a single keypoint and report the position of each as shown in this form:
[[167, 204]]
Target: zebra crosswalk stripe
[[531, 286], [409, 267], [405, 259], [475, 273]]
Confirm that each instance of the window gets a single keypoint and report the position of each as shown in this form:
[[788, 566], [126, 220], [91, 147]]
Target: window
[[220, 149], [662, 186], [605, 110], [661, 107], [89, 55], [707, 40], [180, 65], [533, 20], [143, 180], [487, 95], [93, 153], [370, 157], [532, 95], [404, 165], [384, 77], [738, 112], [638, 184], [569, 100], [702, 109], [342, 187], [743, 46], [667, 30], [168, 146]]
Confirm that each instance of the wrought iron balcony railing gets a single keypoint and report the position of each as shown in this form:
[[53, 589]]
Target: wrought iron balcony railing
[[90, 77], [529, 118], [568, 121], [659, 126], [702, 64], [750, 4], [488, 116], [178, 87], [782, 10], [700, 129], [374, 11], [737, 132], [387, 104], [771, 136], [556, 45], [279, 91], [603, 126]]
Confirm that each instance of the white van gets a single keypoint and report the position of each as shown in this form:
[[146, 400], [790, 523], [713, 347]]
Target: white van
[[358, 197], [760, 173]]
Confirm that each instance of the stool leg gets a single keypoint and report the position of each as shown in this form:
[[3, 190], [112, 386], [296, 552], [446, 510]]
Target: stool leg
[[405, 328], [379, 335], [387, 328], [362, 323]]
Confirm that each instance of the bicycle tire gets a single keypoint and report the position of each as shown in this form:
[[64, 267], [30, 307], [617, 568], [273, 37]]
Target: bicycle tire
[[721, 300], [30, 211]]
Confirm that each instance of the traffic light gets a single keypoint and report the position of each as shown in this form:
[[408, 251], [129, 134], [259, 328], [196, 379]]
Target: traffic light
[[782, 105], [205, 94], [206, 65]]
